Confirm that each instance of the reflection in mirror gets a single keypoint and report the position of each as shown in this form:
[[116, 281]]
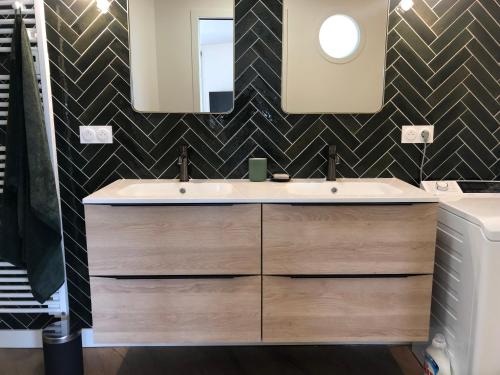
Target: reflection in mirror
[[182, 55], [215, 46], [334, 55], [340, 36]]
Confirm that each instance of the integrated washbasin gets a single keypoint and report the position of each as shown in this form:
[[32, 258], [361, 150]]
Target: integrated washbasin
[[350, 188], [195, 188], [379, 190]]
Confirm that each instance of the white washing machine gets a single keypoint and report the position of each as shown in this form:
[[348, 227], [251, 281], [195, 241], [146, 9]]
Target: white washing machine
[[466, 290]]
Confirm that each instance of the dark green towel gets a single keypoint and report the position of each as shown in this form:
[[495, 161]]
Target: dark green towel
[[30, 235]]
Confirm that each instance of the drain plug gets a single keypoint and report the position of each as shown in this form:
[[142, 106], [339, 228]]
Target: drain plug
[[182, 190], [334, 190]]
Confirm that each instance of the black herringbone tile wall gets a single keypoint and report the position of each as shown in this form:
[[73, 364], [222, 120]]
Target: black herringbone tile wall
[[442, 69]]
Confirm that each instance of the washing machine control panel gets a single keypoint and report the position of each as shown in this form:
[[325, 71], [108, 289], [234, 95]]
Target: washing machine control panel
[[479, 187]]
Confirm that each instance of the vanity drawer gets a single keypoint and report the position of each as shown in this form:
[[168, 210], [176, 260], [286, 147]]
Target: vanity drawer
[[173, 240], [178, 311], [351, 310], [349, 239]]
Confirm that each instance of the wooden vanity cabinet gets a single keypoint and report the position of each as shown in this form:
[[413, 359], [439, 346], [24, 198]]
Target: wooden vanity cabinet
[[250, 273], [177, 311], [174, 240], [346, 310], [348, 239], [175, 274], [354, 273]]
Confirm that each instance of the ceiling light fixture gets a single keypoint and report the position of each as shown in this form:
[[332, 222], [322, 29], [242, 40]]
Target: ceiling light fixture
[[103, 5], [405, 5]]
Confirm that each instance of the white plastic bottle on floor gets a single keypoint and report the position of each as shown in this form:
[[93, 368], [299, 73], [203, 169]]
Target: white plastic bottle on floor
[[437, 361]]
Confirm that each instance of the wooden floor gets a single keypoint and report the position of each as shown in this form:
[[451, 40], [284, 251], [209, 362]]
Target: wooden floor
[[291, 360]]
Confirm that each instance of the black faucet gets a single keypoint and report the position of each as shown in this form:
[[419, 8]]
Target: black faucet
[[333, 161], [183, 163]]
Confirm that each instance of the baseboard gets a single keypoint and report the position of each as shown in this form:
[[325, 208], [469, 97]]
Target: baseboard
[[26, 338], [88, 339], [88, 342], [31, 339]]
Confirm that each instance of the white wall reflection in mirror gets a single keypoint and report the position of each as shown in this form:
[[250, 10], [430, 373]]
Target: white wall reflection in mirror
[[334, 55], [216, 65], [182, 55]]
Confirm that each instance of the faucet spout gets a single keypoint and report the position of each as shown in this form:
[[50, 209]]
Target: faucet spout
[[333, 161], [183, 163]]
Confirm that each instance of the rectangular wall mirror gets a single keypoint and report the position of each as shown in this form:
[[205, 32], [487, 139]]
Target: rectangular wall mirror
[[182, 55], [334, 55]]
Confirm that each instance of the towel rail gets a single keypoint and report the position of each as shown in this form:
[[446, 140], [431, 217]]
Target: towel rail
[[16, 296], [8, 31], [27, 21], [7, 12], [11, 2], [8, 40], [45, 310], [5, 77], [14, 287], [34, 50], [15, 291]]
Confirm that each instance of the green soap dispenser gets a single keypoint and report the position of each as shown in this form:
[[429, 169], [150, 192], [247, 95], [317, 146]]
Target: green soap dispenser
[[257, 169]]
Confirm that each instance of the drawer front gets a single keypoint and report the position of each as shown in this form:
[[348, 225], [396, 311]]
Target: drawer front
[[177, 311], [173, 240], [350, 310], [344, 239]]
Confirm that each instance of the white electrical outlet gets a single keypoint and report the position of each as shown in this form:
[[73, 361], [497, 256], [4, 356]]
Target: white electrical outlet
[[96, 134], [87, 134], [413, 133]]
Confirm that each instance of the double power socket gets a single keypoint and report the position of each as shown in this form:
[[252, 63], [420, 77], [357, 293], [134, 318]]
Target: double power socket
[[96, 134], [417, 133]]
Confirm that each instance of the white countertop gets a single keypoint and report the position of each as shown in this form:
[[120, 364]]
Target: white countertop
[[144, 192]]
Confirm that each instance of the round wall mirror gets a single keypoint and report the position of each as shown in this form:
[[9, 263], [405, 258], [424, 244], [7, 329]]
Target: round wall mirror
[[340, 38]]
